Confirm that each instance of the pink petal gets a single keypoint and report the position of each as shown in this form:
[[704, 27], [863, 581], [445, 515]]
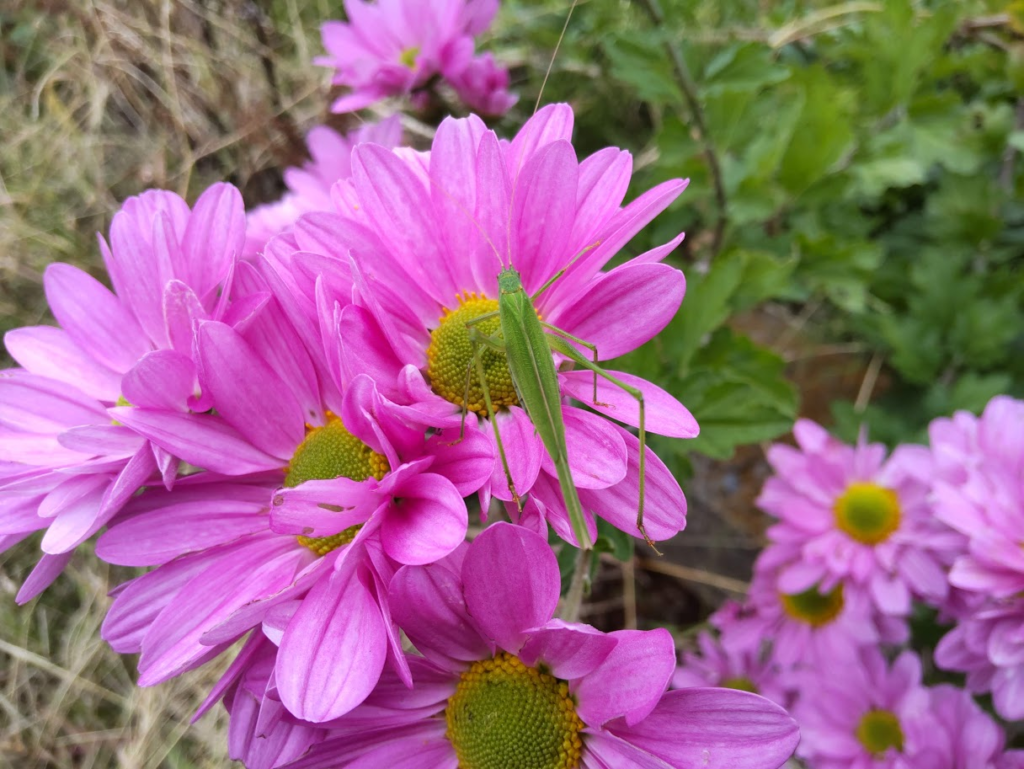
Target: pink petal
[[102, 440], [93, 317], [36, 404], [214, 237], [664, 414], [425, 522], [203, 440], [612, 752], [604, 179], [163, 379], [716, 728], [543, 212], [549, 124], [333, 650], [664, 503], [247, 392], [523, 450], [511, 583], [631, 679], [50, 352], [568, 650], [623, 308], [365, 350], [427, 603], [596, 451], [42, 576], [467, 463], [183, 522]]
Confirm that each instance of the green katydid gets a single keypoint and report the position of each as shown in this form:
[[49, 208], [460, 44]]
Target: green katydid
[[527, 349]]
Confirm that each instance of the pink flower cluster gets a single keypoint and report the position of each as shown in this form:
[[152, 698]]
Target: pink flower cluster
[[402, 47], [274, 429], [862, 539]]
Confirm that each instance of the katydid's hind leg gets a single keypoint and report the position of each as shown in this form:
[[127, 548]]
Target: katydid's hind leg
[[478, 343], [589, 345], [559, 345]]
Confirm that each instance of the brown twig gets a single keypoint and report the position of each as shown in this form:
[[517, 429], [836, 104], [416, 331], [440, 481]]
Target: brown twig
[[689, 89], [688, 574]]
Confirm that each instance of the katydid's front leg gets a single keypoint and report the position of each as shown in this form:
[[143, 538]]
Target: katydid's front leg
[[478, 343], [561, 346]]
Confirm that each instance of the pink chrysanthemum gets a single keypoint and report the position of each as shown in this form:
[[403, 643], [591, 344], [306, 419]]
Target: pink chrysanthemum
[[868, 715], [811, 628], [71, 468], [417, 252], [395, 47], [363, 492], [714, 663], [989, 647], [859, 518], [309, 187], [978, 491], [504, 684]]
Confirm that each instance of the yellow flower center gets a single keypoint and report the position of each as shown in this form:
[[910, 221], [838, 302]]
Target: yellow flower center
[[880, 730], [505, 715], [812, 607], [869, 513], [408, 56], [330, 452], [450, 363], [741, 683]]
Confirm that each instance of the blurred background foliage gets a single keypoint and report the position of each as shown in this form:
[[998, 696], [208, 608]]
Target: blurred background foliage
[[854, 220]]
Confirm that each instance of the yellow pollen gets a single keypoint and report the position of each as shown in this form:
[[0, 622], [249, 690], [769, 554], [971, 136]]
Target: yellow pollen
[[329, 452], [450, 356], [814, 608], [505, 715], [880, 730], [323, 545], [869, 513], [121, 401]]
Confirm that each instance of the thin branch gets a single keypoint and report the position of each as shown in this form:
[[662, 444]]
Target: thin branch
[[867, 385], [689, 89], [688, 574]]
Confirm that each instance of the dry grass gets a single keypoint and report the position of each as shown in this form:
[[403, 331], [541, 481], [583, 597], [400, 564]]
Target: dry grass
[[100, 99]]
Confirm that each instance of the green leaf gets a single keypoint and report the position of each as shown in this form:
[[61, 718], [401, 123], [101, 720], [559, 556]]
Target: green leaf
[[738, 394], [639, 60]]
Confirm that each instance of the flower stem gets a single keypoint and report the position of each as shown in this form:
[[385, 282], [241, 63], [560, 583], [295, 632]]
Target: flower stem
[[573, 601]]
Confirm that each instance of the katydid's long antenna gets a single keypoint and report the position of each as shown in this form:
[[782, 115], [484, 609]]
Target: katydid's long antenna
[[554, 54]]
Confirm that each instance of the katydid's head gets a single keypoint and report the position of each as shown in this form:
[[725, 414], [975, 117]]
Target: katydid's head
[[509, 281]]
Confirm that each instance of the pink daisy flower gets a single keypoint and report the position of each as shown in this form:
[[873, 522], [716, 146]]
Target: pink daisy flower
[[503, 684], [422, 240], [70, 467], [395, 47], [363, 492], [989, 647], [868, 715], [813, 628], [978, 492], [483, 86], [713, 663], [309, 187], [857, 517]]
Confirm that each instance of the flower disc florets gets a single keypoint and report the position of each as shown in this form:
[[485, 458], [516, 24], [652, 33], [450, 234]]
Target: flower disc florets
[[450, 357], [332, 451], [812, 607], [879, 730], [506, 715], [869, 513]]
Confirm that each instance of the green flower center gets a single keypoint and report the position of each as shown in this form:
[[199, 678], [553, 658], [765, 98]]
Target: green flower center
[[880, 730], [505, 715], [408, 56], [450, 356], [741, 683], [330, 452], [812, 607], [869, 513]]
